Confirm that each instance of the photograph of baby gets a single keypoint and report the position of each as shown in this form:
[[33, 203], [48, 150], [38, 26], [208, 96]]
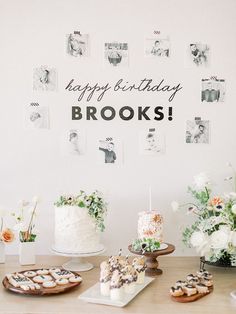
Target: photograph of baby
[[151, 142], [155, 47], [116, 54], [198, 54], [44, 79], [36, 116], [213, 90], [109, 151], [76, 142], [197, 131], [77, 45]]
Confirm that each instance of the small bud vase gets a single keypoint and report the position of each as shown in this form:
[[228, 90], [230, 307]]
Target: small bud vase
[[27, 253], [2, 252]]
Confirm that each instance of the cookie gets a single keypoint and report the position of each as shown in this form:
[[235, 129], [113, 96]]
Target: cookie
[[53, 270], [30, 273], [49, 284], [62, 281], [42, 278], [75, 279], [18, 280], [62, 274], [42, 272]]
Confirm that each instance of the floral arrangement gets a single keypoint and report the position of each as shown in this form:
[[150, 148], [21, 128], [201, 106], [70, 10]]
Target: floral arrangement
[[6, 234], [94, 203], [145, 245], [25, 220], [213, 234]]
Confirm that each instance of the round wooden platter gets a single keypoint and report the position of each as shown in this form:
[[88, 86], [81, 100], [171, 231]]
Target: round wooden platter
[[42, 291], [192, 298]]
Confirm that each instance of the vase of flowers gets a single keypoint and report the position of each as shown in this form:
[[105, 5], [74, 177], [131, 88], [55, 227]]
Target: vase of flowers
[[25, 226], [213, 233], [6, 236]]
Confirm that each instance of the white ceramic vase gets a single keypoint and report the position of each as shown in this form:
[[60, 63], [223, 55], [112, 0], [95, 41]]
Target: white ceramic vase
[[2, 252], [27, 253]]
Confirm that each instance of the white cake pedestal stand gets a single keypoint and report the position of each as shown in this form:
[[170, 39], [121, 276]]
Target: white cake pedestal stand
[[78, 262]]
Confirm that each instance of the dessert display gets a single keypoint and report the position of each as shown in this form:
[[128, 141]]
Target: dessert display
[[42, 281], [119, 277], [78, 222], [193, 288]]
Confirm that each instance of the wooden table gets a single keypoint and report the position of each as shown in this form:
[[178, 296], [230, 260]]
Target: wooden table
[[154, 299]]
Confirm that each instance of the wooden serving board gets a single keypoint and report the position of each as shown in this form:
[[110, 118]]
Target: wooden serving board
[[192, 298], [42, 291]]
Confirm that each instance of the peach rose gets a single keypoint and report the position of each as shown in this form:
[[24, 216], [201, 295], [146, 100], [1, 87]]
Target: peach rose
[[7, 236]]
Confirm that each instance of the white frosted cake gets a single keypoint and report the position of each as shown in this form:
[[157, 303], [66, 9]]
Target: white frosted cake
[[75, 230], [150, 225]]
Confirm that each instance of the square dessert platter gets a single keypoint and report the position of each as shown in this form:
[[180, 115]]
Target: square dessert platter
[[120, 282]]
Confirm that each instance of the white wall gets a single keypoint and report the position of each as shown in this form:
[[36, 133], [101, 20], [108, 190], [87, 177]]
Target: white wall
[[32, 33]]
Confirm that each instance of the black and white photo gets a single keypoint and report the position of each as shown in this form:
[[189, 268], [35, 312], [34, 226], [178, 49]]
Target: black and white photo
[[151, 142], [197, 131], [199, 54], [213, 90], [157, 47], [116, 54], [109, 150], [36, 116], [77, 44], [44, 79]]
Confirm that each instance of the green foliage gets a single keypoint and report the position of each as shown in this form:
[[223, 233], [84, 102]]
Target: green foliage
[[95, 204], [202, 197], [145, 245], [30, 238]]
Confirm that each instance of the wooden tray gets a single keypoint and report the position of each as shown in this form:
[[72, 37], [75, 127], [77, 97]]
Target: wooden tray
[[42, 291], [192, 298]]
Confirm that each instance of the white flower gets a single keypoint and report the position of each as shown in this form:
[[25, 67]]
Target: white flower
[[35, 199], [201, 181], [233, 209], [197, 239], [175, 206], [220, 239], [23, 203], [233, 238], [20, 227]]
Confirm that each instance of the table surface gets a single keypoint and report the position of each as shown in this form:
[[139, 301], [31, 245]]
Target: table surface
[[154, 299]]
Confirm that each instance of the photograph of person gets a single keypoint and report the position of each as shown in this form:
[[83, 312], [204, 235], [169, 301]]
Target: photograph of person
[[116, 54], [199, 54], [36, 117], [74, 145], [77, 44], [197, 131], [151, 142], [213, 90], [157, 47], [108, 148], [44, 79]]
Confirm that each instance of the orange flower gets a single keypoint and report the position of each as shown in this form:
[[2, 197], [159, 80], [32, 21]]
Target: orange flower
[[7, 236], [216, 201]]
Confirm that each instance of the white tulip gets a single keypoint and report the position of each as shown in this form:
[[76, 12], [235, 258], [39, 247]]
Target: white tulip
[[35, 199], [201, 181], [175, 206], [23, 203]]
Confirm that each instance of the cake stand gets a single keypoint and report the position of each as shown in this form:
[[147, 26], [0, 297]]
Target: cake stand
[[151, 258], [78, 261]]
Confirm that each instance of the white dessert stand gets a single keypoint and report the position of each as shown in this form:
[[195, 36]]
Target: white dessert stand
[[77, 262]]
